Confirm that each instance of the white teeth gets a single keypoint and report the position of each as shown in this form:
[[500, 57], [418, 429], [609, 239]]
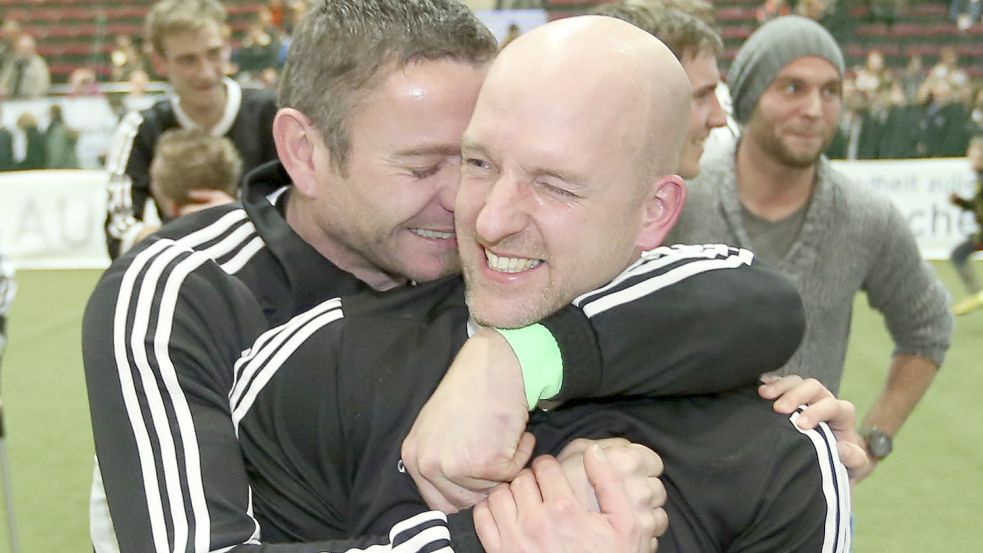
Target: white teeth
[[510, 264], [427, 233]]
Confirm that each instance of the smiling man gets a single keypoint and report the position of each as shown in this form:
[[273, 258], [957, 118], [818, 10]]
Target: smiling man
[[569, 170], [191, 49], [375, 96], [776, 194]]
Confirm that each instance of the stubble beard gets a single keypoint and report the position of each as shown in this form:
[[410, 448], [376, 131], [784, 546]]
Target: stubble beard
[[524, 313], [790, 158]]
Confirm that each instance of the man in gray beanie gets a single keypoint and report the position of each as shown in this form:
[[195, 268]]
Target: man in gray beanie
[[775, 45], [775, 193]]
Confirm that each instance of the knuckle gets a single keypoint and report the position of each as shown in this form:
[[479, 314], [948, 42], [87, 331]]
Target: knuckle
[[535, 524], [642, 495], [525, 478], [661, 522], [408, 450], [847, 407], [647, 525], [649, 458], [562, 507], [479, 462], [659, 495], [499, 496], [430, 465], [817, 386]]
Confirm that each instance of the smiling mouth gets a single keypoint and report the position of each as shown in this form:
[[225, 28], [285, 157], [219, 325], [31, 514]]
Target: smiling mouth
[[434, 234], [504, 264]]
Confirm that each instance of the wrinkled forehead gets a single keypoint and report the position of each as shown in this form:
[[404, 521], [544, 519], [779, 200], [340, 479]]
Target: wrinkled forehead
[[594, 106], [595, 85]]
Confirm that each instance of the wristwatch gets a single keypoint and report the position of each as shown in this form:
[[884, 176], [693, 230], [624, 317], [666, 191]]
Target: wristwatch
[[879, 444]]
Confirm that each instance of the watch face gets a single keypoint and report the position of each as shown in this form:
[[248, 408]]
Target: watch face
[[879, 444]]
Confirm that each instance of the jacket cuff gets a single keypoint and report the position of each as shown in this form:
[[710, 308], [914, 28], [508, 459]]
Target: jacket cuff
[[583, 370]]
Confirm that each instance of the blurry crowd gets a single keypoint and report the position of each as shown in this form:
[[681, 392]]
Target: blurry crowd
[[910, 113], [54, 147], [835, 14], [23, 72], [255, 61]]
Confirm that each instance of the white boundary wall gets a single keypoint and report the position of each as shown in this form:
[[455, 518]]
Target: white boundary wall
[[54, 219]]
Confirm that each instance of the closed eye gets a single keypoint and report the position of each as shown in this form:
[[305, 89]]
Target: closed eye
[[424, 172], [477, 163], [559, 192]]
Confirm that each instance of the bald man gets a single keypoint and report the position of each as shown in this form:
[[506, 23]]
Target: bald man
[[553, 203]]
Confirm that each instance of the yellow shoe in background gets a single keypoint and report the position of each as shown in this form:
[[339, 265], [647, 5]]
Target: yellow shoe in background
[[972, 303]]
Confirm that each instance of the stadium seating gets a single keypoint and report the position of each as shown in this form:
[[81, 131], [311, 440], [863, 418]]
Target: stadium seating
[[76, 33], [923, 28]]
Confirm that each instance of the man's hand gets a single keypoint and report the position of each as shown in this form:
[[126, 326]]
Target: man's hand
[[639, 466], [203, 198], [470, 436], [539, 512], [822, 406]]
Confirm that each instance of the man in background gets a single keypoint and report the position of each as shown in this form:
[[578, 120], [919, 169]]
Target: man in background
[[775, 193], [187, 160], [974, 242], [7, 162], [697, 45], [7, 290], [190, 47], [26, 75]]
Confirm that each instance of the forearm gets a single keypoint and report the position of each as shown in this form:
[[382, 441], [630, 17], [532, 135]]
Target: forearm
[[909, 377], [692, 320], [128, 164]]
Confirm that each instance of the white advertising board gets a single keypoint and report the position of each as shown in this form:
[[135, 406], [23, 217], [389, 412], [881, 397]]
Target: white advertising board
[[920, 188], [53, 219]]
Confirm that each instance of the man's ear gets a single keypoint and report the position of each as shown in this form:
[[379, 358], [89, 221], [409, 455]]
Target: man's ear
[[662, 207], [296, 145]]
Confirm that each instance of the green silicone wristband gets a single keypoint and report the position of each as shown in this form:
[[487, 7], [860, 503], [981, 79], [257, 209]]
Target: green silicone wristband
[[540, 361]]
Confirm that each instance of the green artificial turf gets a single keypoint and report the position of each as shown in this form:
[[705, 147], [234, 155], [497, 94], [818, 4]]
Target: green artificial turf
[[49, 439], [925, 497], [928, 495]]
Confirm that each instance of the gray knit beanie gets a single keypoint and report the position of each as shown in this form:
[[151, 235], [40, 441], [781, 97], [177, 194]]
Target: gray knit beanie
[[774, 45]]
